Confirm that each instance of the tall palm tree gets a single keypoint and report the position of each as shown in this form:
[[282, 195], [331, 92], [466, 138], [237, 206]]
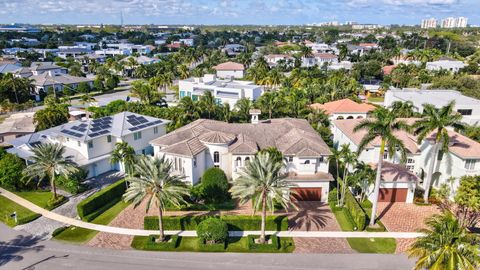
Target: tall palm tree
[[348, 159], [125, 154], [336, 156], [152, 180], [243, 107], [383, 125], [207, 102], [437, 121], [403, 109], [263, 182], [48, 161], [268, 102], [446, 245]]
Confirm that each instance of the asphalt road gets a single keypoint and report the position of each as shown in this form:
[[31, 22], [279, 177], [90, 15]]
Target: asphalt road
[[22, 251]]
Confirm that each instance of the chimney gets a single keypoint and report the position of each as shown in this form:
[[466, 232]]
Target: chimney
[[255, 113]]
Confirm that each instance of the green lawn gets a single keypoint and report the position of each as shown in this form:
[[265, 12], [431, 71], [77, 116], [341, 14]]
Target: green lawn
[[23, 214], [39, 198], [235, 244], [364, 245], [376, 99], [81, 235]]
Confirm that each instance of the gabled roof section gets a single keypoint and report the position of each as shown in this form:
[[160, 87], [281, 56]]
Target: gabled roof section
[[229, 66]]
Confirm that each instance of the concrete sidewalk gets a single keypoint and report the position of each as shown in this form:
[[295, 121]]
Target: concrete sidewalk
[[137, 232]]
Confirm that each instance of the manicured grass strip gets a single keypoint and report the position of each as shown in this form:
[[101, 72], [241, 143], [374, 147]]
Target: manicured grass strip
[[364, 245], [235, 244], [7, 207], [376, 99], [81, 235], [99, 202], [40, 198]]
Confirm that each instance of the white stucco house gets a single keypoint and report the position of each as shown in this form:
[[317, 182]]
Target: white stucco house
[[462, 159], [275, 59], [445, 63], [230, 70], [91, 142], [319, 59], [208, 143], [468, 107], [225, 91], [344, 109]]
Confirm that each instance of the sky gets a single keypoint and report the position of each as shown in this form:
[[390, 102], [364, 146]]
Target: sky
[[263, 12]]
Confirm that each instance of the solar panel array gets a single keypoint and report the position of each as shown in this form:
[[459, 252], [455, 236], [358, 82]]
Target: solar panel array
[[140, 122], [100, 126]]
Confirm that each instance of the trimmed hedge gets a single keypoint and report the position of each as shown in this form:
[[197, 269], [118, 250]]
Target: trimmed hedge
[[235, 223], [151, 243], [275, 245], [356, 211], [95, 205]]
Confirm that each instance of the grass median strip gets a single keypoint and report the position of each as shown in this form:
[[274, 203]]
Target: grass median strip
[[23, 214], [80, 235]]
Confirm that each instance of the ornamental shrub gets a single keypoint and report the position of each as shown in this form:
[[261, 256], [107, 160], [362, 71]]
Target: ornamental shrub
[[212, 230], [214, 186], [11, 168], [101, 201]]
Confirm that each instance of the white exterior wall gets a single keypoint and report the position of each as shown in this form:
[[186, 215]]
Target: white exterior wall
[[230, 74], [336, 116]]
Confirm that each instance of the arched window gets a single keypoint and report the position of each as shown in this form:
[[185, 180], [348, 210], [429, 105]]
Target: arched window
[[238, 162], [247, 160], [350, 117], [307, 162], [359, 117], [216, 157], [340, 118]]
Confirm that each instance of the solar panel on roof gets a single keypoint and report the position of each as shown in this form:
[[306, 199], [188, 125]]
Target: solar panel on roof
[[105, 126], [78, 135], [83, 125], [104, 132], [95, 129], [93, 135], [75, 128], [82, 129], [130, 116], [157, 122], [133, 129], [64, 131]]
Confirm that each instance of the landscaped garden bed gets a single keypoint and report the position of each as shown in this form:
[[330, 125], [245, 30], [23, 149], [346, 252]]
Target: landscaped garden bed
[[233, 244]]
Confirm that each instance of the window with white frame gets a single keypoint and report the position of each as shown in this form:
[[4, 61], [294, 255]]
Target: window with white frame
[[470, 164], [109, 138], [247, 161], [290, 159], [411, 168], [385, 154], [79, 143], [137, 135], [216, 157], [238, 162]]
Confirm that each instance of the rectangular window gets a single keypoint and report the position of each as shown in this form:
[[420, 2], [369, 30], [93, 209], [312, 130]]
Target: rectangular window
[[109, 138], [155, 130], [440, 155], [470, 164], [385, 155], [290, 159], [194, 162], [1, 138], [410, 167], [465, 111], [137, 135], [90, 144], [79, 143], [410, 161]]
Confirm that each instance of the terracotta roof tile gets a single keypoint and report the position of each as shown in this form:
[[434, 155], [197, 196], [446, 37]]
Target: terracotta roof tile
[[343, 106], [229, 66]]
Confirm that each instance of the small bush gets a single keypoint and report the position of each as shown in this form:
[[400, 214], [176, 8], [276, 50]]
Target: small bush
[[275, 245], [213, 186], [209, 247], [55, 202], [57, 231], [356, 211], [99, 202], [212, 231], [366, 204]]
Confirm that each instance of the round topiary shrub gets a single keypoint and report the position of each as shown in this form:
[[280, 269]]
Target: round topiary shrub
[[214, 186], [212, 230]]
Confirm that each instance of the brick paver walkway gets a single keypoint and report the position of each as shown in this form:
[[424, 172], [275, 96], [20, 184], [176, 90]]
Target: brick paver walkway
[[316, 216], [404, 217]]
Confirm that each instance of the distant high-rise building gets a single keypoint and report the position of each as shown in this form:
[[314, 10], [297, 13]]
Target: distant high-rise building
[[429, 23], [448, 22], [461, 22]]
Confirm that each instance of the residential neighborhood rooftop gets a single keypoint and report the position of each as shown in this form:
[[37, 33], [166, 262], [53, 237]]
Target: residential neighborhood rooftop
[[229, 66], [343, 106]]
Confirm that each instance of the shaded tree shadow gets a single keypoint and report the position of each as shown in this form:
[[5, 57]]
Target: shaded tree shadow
[[11, 250], [309, 216]]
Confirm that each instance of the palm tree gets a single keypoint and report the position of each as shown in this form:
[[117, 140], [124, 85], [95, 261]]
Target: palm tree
[[208, 103], [124, 153], [403, 109], [263, 182], [243, 107], [48, 160], [348, 159], [446, 245], [152, 180], [336, 155], [383, 125], [268, 102], [436, 120]]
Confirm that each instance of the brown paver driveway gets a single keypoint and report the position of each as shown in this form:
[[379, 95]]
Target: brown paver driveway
[[316, 216], [404, 217]]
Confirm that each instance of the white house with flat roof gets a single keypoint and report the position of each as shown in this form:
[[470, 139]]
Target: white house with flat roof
[[204, 143], [91, 142], [445, 63], [468, 107], [225, 91]]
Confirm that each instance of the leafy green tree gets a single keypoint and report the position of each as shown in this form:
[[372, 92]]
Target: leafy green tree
[[263, 182], [49, 161], [51, 116], [437, 121], [83, 87], [11, 168], [383, 125], [153, 182], [214, 186], [467, 200], [348, 159], [446, 245], [207, 103]]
